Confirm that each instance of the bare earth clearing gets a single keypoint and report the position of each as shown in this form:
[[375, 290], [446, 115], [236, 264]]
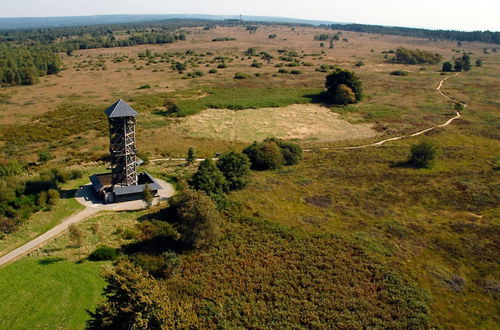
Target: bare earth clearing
[[297, 121]]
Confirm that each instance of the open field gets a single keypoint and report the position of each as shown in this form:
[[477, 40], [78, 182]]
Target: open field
[[301, 122]]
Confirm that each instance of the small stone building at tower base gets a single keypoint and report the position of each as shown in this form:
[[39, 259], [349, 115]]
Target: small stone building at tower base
[[117, 194]]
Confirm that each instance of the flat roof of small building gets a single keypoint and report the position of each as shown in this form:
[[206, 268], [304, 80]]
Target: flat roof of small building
[[127, 190]]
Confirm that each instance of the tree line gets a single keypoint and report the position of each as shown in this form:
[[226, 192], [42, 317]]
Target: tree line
[[21, 65], [484, 36], [415, 56]]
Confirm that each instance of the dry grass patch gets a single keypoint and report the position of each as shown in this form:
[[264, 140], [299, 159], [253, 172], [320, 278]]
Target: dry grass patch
[[297, 121]]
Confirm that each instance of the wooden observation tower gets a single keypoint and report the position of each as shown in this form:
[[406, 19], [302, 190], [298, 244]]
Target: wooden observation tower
[[121, 118], [123, 183]]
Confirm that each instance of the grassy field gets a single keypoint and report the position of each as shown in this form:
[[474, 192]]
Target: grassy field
[[48, 293]]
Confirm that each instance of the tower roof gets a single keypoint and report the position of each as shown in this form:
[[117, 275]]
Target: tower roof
[[120, 109]]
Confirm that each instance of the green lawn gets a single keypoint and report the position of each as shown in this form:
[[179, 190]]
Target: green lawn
[[48, 294], [230, 98]]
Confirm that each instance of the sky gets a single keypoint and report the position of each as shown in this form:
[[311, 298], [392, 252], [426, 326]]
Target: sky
[[435, 14]]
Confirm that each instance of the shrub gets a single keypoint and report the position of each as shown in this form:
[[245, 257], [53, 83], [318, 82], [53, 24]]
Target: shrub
[[423, 155], [222, 66], [53, 196], [273, 153], [45, 156], [359, 63], [256, 64], [241, 75], [400, 73], [195, 217], [161, 266], [75, 235], [171, 107], [265, 155], [283, 71], [155, 229], [344, 95], [292, 152], [13, 167], [343, 77], [296, 72], [148, 195], [212, 71], [209, 179], [458, 106], [103, 253], [236, 169], [447, 67], [191, 156], [144, 86]]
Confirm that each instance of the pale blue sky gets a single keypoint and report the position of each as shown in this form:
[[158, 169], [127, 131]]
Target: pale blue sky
[[444, 14]]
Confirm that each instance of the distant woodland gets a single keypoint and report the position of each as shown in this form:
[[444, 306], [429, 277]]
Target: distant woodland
[[484, 36], [21, 65]]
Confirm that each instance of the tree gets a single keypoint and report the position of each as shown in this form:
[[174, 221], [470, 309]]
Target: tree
[[344, 95], [191, 156], [130, 302], [447, 67], [195, 217], [458, 65], [209, 179], [148, 195], [343, 77], [235, 167], [265, 155], [466, 62], [423, 154]]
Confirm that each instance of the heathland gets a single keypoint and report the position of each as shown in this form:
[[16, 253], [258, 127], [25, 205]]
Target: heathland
[[353, 238]]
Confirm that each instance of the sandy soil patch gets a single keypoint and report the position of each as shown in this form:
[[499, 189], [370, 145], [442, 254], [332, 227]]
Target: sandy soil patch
[[297, 121]]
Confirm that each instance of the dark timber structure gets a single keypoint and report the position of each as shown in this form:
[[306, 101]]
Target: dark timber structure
[[123, 183], [121, 118]]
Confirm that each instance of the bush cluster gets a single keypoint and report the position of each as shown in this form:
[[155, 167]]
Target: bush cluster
[[273, 153], [19, 199], [399, 73], [103, 253], [230, 172], [408, 56], [343, 87]]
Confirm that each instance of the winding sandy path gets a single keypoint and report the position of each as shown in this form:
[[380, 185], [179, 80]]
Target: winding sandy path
[[379, 143]]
